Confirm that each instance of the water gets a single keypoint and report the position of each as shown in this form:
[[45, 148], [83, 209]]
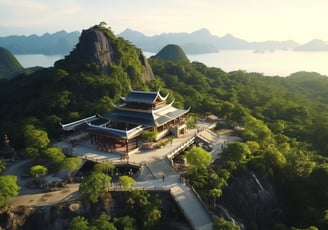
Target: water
[[271, 63], [31, 60]]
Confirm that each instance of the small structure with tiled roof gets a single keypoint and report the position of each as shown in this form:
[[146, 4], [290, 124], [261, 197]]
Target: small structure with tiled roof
[[121, 129]]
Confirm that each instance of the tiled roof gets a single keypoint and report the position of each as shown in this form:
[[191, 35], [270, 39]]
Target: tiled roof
[[143, 97], [119, 133], [156, 118]]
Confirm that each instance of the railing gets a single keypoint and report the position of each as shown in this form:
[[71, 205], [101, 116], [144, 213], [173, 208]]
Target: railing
[[117, 188], [181, 147]]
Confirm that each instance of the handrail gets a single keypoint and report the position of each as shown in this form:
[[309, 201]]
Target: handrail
[[178, 148]]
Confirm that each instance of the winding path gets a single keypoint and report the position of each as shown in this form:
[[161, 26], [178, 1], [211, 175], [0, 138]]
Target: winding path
[[154, 165]]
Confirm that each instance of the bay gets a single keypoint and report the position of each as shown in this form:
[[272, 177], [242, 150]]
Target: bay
[[32, 60], [270, 63]]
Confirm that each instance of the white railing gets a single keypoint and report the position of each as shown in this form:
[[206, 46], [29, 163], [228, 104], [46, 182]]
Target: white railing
[[181, 147]]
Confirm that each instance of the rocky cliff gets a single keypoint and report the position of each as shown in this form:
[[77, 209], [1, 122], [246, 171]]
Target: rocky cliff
[[57, 217], [100, 51], [250, 202]]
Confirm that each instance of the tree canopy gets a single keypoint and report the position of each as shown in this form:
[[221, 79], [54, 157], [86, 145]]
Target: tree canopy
[[9, 188], [94, 186], [198, 157]]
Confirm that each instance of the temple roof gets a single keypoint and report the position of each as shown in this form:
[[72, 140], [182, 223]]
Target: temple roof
[[144, 97], [118, 133], [153, 118], [95, 119]]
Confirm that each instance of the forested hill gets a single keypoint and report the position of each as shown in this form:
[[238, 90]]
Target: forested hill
[[285, 123], [172, 53], [9, 65], [101, 68], [285, 119]]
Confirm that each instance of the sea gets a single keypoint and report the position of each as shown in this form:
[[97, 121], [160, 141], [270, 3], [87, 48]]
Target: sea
[[270, 63]]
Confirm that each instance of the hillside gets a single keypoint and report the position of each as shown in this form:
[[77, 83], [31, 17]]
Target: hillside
[[99, 50], [9, 65], [172, 53], [101, 68], [285, 122]]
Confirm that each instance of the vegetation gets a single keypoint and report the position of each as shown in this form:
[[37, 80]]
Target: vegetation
[[95, 186], [9, 188], [172, 53], [285, 123], [9, 65], [71, 164], [38, 170], [143, 213], [126, 181], [146, 211]]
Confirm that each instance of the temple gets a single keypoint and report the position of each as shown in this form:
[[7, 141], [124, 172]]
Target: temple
[[121, 130]]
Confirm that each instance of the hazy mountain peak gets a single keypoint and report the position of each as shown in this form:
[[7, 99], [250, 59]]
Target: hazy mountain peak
[[313, 45], [202, 31]]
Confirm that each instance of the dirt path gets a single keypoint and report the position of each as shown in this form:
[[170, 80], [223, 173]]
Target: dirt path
[[49, 198]]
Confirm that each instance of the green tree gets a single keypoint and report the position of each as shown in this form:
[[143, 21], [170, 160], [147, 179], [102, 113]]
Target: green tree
[[149, 136], [125, 223], [105, 167], [70, 164], [222, 224], [103, 222], [126, 181], [36, 140], [215, 194], [55, 155], [274, 158], [236, 152], [79, 223], [38, 170], [198, 157], [146, 211], [9, 188], [94, 186]]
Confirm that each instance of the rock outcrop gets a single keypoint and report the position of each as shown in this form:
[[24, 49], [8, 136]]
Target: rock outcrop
[[250, 201], [57, 217], [98, 50]]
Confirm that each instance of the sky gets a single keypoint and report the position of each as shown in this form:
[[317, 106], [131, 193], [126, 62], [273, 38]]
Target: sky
[[252, 20]]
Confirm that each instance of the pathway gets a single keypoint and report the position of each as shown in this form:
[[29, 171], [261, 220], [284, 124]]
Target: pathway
[[155, 164]]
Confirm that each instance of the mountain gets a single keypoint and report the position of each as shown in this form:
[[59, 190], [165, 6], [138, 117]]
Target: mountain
[[60, 42], [314, 45], [99, 50], [9, 65], [172, 53], [198, 42], [201, 41]]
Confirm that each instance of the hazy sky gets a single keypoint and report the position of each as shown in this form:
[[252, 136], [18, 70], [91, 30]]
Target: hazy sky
[[253, 20]]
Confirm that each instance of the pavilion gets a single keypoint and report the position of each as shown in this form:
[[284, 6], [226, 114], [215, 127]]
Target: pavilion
[[121, 129]]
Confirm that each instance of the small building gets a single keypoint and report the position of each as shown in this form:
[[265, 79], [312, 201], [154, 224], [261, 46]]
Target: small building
[[121, 129]]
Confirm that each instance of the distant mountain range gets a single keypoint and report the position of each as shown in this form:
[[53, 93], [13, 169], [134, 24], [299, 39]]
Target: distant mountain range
[[199, 41], [60, 42]]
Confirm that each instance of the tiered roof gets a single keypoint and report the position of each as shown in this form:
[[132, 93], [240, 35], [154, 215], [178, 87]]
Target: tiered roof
[[156, 114], [144, 97]]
